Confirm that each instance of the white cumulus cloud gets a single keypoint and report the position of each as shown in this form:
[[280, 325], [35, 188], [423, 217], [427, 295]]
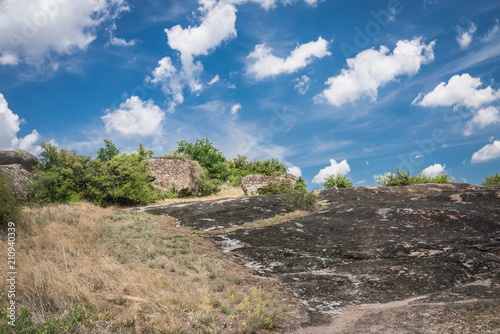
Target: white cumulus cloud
[[460, 90], [294, 170], [487, 153], [465, 36], [10, 126], [482, 118], [341, 168], [371, 69], [434, 170], [217, 25], [32, 29], [135, 117], [264, 64], [303, 84]]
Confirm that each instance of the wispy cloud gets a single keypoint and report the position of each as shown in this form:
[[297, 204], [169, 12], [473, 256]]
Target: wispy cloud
[[466, 35]]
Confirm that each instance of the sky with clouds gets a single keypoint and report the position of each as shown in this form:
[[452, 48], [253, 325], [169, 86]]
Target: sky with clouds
[[356, 88]]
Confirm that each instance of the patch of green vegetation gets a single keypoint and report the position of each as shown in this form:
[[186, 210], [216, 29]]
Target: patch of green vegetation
[[110, 179], [241, 167], [275, 188], [337, 182], [79, 318], [10, 205], [404, 178], [492, 180], [301, 200]]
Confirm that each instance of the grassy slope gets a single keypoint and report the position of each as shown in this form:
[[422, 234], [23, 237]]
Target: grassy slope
[[143, 272]]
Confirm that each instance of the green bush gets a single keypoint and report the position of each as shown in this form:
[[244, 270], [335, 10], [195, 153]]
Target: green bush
[[275, 188], [403, 178], [123, 180], [337, 182], [206, 186], [10, 205], [492, 180], [301, 200], [300, 185]]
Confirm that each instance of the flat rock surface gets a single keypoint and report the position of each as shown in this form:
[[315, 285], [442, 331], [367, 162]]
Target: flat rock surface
[[221, 213], [372, 246]]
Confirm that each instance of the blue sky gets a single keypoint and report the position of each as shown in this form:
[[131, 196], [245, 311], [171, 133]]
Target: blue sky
[[333, 86]]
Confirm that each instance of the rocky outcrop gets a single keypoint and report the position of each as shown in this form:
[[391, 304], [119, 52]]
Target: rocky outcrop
[[17, 165], [252, 183], [178, 173], [439, 243], [27, 160], [21, 179]]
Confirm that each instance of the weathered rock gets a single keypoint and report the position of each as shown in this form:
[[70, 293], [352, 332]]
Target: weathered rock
[[170, 172], [27, 160], [371, 245], [251, 184], [21, 178]]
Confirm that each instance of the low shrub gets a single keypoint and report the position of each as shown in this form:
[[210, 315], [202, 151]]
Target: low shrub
[[337, 182], [492, 180], [206, 186], [301, 200], [275, 188], [403, 178]]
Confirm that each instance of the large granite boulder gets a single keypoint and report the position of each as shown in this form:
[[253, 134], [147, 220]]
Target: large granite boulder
[[21, 179], [251, 184], [178, 173], [25, 159]]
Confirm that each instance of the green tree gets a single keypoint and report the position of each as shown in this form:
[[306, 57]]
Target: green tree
[[62, 175], [492, 180], [106, 180], [108, 152], [144, 153], [337, 181], [209, 157]]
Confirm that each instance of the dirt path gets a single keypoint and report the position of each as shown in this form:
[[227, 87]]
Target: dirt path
[[347, 321], [435, 313]]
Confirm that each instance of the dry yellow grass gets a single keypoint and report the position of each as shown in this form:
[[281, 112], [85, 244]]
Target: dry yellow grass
[[143, 272]]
